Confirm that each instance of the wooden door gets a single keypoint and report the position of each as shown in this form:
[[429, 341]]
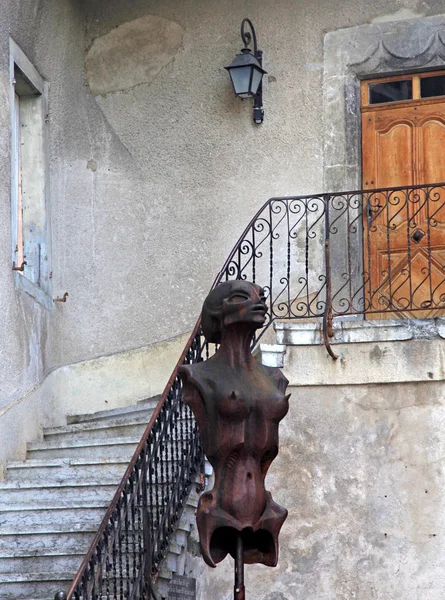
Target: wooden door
[[403, 144]]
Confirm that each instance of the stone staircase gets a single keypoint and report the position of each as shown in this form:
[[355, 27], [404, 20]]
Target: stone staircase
[[51, 504]]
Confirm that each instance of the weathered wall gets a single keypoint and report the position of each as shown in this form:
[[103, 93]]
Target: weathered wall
[[360, 470], [103, 383], [154, 166], [33, 338], [200, 167], [25, 353]]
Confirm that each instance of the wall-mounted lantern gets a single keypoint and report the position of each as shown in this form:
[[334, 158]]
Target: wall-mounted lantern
[[246, 72]]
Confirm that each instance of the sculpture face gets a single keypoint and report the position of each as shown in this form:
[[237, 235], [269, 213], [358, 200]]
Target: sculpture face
[[246, 303], [232, 302]]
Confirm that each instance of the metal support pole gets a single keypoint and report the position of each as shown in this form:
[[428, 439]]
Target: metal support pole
[[240, 593]]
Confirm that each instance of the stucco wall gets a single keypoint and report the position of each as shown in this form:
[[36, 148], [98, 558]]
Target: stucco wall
[[152, 181], [25, 354], [360, 470]]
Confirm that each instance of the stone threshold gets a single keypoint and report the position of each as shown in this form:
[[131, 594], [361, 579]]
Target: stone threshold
[[346, 331], [354, 331]]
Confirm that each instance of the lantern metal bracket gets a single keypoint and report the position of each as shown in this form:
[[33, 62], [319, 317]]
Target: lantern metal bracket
[[248, 37]]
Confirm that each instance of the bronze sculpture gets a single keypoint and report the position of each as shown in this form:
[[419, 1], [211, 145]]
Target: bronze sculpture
[[238, 404]]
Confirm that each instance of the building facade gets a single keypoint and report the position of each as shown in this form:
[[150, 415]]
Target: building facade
[[128, 171]]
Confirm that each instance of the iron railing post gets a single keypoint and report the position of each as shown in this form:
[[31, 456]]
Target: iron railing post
[[327, 315], [147, 584]]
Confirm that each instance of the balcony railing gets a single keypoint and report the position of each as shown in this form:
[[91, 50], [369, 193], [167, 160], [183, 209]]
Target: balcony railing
[[378, 252]]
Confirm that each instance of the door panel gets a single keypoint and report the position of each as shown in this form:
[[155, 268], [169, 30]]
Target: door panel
[[431, 150], [394, 155], [404, 231]]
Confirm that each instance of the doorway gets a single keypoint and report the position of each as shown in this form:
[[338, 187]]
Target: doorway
[[403, 144]]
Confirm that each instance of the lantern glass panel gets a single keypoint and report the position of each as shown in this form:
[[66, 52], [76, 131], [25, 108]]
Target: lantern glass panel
[[241, 81], [256, 80]]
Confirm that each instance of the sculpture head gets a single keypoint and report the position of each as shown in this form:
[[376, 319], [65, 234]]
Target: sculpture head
[[233, 302]]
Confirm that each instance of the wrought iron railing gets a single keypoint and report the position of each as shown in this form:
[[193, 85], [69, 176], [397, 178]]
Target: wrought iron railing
[[376, 252], [125, 556], [379, 241]]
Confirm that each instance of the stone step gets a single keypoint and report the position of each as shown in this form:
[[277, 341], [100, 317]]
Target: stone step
[[166, 573], [43, 586], [63, 561], [43, 563], [50, 494], [172, 563], [131, 427], [34, 585], [69, 529], [180, 537], [121, 447], [162, 586], [192, 500], [143, 406], [57, 468], [86, 512], [89, 515], [188, 519], [43, 543], [175, 549], [82, 498], [52, 528], [31, 559], [67, 469], [43, 539], [52, 504]]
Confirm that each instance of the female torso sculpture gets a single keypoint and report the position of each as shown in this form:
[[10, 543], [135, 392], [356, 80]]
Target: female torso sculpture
[[238, 404]]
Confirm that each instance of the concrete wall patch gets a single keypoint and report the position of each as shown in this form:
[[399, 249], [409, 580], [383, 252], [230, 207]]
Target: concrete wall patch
[[132, 54]]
